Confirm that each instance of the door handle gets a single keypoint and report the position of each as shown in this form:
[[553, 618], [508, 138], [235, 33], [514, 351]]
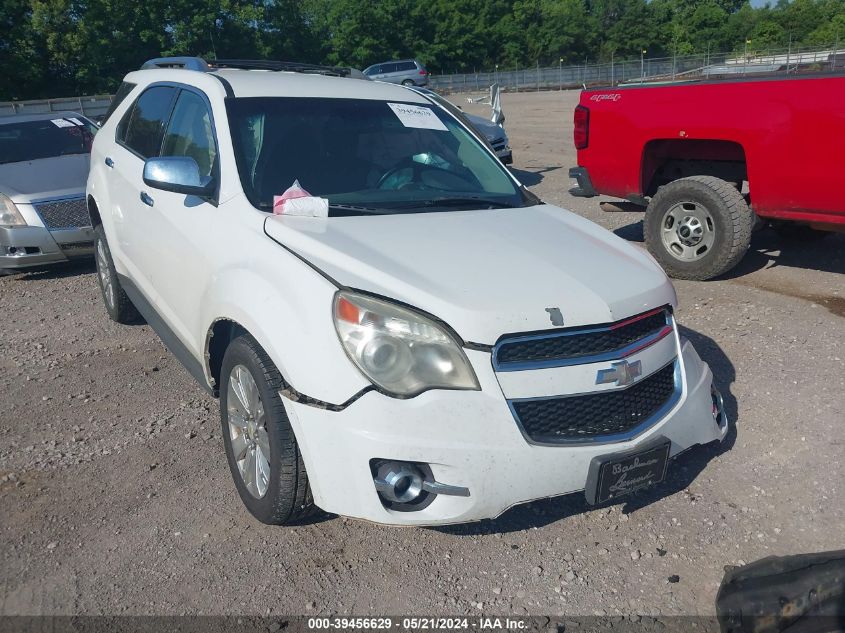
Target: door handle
[[145, 198], [109, 162]]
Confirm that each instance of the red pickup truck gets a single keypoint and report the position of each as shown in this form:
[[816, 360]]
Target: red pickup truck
[[713, 160]]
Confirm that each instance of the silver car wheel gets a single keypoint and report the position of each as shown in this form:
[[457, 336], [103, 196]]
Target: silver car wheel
[[248, 431], [688, 231], [105, 274]]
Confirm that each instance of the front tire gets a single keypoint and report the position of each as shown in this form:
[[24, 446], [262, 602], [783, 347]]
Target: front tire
[[698, 227], [118, 305], [261, 447]]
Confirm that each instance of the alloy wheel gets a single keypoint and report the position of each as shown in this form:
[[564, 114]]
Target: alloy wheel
[[248, 431]]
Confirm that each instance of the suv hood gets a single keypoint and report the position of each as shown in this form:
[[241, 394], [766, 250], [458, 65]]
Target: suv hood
[[486, 273], [45, 177]]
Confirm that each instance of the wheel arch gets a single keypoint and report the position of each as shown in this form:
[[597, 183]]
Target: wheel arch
[[666, 160], [93, 211]]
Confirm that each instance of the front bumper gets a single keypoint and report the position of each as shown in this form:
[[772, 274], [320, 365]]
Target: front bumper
[[585, 187], [470, 439], [505, 155], [34, 246]]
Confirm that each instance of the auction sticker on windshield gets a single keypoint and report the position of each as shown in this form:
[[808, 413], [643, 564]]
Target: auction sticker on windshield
[[417, 116]]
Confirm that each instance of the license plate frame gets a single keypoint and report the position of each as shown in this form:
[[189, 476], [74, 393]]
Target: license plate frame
[[646, 464]]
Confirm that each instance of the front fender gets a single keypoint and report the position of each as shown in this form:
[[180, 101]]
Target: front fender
[[289, 313]]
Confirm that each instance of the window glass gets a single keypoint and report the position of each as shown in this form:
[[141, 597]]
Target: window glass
[[119, 96], [145, 122], [34, 140], [361, 154], [190, 133], [407, 66], [389, 68]]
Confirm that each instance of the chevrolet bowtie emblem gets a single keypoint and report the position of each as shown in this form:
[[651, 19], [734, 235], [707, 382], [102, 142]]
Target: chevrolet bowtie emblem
[[622, 373]]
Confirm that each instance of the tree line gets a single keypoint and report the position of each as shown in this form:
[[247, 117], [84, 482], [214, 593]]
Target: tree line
[[52, 48]]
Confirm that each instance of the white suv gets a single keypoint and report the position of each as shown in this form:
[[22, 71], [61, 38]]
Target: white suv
[[441, 347]]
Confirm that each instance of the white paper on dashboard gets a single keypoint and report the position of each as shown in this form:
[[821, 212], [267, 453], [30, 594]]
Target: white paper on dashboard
[[417, 116], [61, 123]]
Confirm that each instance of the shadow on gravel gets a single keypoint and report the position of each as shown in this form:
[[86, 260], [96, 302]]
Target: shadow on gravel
[[682, 471], [56, 271], [770, 250], [531, 178]]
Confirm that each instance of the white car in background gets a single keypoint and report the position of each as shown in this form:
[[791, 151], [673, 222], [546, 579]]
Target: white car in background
[[43, 168], [437, 348]]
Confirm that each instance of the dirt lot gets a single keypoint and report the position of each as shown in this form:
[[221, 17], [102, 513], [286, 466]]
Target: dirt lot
[[115, 496]]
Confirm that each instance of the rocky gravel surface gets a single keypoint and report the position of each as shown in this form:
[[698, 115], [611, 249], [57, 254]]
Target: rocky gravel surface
[[115, 496]]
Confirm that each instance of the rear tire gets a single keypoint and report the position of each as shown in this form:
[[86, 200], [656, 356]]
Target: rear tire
[[698, 227], [408, 82], [261, 447], [118, 305]]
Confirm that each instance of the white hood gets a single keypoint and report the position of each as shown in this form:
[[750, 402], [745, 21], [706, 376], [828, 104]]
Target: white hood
[[45, 178], [485, 273]]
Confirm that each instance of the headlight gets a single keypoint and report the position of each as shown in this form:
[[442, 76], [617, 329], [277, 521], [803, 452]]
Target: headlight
[[9, 214], [398, 349]]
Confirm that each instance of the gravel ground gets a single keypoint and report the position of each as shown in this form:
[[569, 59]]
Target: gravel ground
[[116, 497]]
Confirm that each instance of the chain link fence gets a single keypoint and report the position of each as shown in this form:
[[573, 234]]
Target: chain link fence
[[644, 69]]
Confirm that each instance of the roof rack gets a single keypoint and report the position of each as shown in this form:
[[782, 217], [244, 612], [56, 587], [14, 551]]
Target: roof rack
[[187, 63], [201, 65], [269, 64]]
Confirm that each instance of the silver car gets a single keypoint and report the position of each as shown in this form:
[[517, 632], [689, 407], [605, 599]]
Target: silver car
[[408, 72], [43, 169]]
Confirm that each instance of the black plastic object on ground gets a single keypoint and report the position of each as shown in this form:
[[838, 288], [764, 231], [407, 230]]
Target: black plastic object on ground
[[793, 594]]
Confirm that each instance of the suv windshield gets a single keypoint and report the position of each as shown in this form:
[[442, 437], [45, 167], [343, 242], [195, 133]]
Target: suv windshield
[[365, 156], [32, 140]]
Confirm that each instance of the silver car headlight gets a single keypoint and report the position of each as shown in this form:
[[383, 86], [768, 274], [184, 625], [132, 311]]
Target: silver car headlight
[[399, 350], [9, 213]]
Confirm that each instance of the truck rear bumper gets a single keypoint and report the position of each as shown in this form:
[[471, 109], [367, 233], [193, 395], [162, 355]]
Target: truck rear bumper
[[585, 185]]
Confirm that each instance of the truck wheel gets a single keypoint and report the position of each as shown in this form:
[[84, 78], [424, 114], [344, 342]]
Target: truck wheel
[[698, 227], [117, 304], [261, 448]]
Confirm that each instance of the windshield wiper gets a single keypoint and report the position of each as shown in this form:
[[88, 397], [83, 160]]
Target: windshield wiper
[[457, 202], [342, 207]]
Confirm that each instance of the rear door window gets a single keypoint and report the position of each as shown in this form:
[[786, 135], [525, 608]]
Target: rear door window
[[405, 66], [142, 128], [119, 96]]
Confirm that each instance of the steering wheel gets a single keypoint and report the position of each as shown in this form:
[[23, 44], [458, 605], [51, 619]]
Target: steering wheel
[[426, 176], [416, 173]]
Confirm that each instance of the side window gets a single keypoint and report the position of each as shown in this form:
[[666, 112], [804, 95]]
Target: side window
[[389, 68], [190, 132], [119, 96], [142, 128], [407, 66]]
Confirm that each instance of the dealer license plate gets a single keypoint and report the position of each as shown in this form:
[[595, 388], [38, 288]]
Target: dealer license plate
[[616, 476]]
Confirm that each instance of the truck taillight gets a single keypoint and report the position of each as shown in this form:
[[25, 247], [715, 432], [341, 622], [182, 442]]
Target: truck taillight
[[581, 133]]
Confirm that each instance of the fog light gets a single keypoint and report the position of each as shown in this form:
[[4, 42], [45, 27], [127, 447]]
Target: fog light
[[399, 482], [718, 406]]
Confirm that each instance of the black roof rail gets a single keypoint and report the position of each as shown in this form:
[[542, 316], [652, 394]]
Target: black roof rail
[[278, 66], [186, 63]]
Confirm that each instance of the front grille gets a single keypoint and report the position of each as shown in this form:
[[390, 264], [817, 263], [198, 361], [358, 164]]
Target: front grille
[[596, 416], [498, 141], [578, 343], [64, 214]]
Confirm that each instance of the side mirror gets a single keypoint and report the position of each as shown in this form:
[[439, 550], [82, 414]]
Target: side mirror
[[179, 174]]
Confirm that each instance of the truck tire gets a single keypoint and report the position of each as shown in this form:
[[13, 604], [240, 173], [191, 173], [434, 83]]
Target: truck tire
[[698, 227], [261, 447], [118, 305]]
